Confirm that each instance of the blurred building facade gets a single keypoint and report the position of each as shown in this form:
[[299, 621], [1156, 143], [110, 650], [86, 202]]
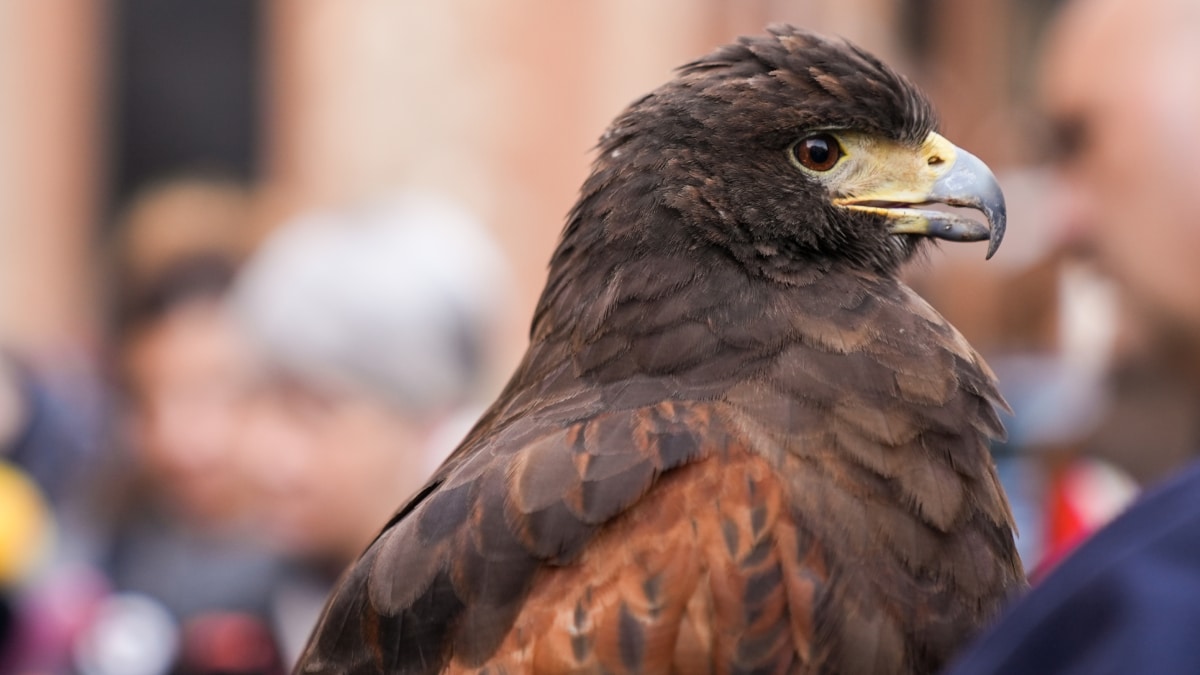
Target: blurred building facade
[[494, 104]]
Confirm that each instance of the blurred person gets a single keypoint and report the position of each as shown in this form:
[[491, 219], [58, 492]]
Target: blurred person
[[1132, 218], [176, 357], [182, 365], [1132, 225], [177, 547], [1120, 86], [375, 329], [182, 533]]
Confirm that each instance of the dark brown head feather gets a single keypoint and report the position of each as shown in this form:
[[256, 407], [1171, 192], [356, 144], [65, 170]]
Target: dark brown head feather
[[699, 168]]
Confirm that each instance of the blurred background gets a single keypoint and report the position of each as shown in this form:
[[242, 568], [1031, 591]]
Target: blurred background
[[215, 229]]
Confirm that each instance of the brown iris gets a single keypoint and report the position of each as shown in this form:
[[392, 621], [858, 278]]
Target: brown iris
[[819, 152]]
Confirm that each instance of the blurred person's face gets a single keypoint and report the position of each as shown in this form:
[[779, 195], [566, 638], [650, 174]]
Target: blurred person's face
[[1123, 94], [185, 373], [329, 467]]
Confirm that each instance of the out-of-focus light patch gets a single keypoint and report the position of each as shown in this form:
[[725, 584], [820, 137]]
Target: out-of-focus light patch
[[132, 634], [1098, 491], [26, 526], [1088, 318]]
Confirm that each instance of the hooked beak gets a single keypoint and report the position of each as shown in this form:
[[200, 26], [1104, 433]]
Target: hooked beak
[[940, 173]]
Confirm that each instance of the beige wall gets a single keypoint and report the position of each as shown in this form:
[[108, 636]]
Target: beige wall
[[48, 172]]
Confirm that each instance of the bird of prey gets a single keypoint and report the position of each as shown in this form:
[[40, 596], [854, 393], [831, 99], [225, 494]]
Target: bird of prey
[[737, 442]]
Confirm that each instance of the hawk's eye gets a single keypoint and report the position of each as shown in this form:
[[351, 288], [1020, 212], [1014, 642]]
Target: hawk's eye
[[819, 152]]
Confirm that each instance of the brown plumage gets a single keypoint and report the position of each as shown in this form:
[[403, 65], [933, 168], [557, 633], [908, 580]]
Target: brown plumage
[[737, 443]]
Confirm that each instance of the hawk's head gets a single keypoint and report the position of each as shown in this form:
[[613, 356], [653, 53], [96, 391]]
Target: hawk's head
[[783, 150]]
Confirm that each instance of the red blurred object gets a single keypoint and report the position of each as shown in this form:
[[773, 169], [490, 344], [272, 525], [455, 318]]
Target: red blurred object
[[229, 643], [1083, 496]]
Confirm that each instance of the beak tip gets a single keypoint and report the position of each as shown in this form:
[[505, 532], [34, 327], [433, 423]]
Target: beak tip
[[997, 219], [993, 246]]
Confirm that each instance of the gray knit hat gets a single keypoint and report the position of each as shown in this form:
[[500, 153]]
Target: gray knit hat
[[398, 298]]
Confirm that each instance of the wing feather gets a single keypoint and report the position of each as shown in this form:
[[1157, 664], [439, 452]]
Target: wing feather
[[820, 501]]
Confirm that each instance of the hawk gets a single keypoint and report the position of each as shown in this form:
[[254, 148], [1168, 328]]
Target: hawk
[[737, 441]]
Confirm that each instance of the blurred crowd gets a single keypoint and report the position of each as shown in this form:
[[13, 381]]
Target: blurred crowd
[[273, 403], [270, 392]]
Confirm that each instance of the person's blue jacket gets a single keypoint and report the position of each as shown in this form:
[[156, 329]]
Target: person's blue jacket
[[1127, 601]]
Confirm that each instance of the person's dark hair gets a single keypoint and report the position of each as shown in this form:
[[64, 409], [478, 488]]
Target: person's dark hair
[[201, 277]]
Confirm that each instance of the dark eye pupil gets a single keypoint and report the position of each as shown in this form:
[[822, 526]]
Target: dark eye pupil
[[818, 153], [818, 150]]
